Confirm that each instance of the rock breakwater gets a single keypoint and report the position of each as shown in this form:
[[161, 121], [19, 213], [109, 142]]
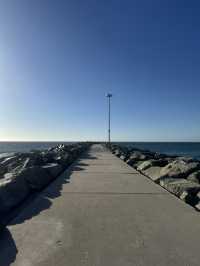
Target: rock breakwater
[[24, 173], [178, 175]]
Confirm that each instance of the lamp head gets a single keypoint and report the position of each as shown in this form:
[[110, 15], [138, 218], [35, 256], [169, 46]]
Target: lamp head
[[108, 95]]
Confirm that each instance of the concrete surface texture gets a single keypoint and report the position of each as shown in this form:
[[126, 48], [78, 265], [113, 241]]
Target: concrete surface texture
[[101, 212]]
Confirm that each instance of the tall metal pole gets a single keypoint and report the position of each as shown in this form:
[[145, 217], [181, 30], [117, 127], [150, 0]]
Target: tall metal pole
[[109, 95], [109, 119]]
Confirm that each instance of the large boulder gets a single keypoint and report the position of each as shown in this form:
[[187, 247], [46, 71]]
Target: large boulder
[[124, 155], [179, 169], [53, 169], [5, 164], [5, 155], [197, 205], [182, 188], [17, 162], [186, 159], [162, 162], [75, 151], [136, 164], [8, 160], [35, 158], [63, 154], [112, 148], [118, 152], [194, 177], [49, 156], [13, 189], [158, 155], [136, 156], [64, 159], [145, 165], [153, 173], [37, 177]]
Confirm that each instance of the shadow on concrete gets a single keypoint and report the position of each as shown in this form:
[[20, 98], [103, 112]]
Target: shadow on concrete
[[33, 206], [82, 164], [43, 200], [87, 156], [8, 249]]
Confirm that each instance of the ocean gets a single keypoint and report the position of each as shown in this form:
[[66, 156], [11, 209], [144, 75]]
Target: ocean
[[10, 147], [191, 149]]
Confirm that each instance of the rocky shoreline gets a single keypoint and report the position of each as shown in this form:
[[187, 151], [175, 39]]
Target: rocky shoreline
[[178, 175], [22, 174]]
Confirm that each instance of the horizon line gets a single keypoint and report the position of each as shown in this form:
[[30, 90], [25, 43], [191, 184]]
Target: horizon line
[[125, 141]]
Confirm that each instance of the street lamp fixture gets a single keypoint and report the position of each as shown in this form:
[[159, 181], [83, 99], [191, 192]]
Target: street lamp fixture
[[109, 95]]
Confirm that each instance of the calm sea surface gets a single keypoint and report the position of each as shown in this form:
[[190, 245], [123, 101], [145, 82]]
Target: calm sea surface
[[191, 149], [9, 147]]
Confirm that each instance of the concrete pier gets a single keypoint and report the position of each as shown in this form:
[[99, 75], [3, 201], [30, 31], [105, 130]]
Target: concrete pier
[[101, 212]]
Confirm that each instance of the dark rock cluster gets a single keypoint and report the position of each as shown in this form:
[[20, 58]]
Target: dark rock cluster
[[23, 173], [178, 175]]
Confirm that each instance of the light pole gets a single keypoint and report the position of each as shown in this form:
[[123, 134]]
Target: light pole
[[109, 95]]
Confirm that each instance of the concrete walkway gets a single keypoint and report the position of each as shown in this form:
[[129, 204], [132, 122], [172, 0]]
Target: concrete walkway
[[101, 212]]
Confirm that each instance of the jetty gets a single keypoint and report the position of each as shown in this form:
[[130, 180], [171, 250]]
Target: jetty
[[102, 212]]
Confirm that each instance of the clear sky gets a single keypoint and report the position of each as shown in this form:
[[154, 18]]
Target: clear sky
[[59, 58]]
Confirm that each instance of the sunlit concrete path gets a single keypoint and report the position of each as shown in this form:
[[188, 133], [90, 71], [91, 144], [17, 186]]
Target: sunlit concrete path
[[101, 212]]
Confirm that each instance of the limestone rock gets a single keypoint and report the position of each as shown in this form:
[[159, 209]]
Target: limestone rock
[[136, 156], [153, 173], [194, 177], [49, 157], [162, 162], [37, 177], [53, 169], [35, 158], [124, 156], [64, 159], [5, 164], [182, 188], [179, 169], [186, 159], [145, 165], [13, 189], [117, 152], [197, 206]]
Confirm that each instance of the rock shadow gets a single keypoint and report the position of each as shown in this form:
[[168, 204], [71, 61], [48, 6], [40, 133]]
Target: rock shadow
[[8, 249], [87, 156], [42, 200], [32, 206]]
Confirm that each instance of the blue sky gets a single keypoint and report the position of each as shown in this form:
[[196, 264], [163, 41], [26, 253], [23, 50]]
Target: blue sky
[[59, 58]]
